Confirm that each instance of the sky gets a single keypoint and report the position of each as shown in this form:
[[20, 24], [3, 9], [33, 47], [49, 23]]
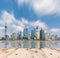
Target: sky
[[30, 13]]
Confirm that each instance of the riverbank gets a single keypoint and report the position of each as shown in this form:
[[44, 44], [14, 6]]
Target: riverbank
[[29, 53]]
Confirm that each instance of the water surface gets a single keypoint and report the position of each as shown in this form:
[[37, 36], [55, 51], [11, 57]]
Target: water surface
[[29, 44]]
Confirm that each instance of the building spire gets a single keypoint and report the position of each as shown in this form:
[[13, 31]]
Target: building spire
[[5, 30]]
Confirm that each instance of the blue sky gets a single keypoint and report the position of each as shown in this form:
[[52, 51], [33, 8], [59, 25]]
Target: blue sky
[[19, 13]]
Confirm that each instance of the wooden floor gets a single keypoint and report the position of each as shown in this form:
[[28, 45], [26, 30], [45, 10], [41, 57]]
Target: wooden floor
[[30, 53]]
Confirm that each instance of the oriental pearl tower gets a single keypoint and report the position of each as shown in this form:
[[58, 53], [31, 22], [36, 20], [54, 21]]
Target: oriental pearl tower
[[6, 30], [6, 43]]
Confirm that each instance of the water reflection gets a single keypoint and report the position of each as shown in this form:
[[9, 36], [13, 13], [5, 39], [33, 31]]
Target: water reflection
[[29, 44]]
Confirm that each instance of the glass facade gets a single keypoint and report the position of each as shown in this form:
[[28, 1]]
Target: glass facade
[[19, 36], [42, 36], [33, 34], [25, 33]]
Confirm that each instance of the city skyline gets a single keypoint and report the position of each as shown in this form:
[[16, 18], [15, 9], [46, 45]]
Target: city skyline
[[33, 34], [27, 13]]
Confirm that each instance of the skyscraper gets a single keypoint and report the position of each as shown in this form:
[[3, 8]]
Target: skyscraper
[[42, 35], [47, 36], [19, 35], [25, 33], [14, 36], [29, 35], [37, 33], [33, 35]]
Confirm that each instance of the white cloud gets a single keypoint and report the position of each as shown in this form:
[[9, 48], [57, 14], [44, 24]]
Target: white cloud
[[13, 24], [42, 6], [21, 2], [39, 24], [55, 31], [1, 28], [16, 25], [25, 21], [17, 28]]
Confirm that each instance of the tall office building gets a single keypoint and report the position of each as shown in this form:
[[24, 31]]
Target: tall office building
[[29, 35], [53, 37], [42, 35], [37, 33], [33, 35], [19, 35], [14, 36], [25, 33], [47, 36], [56, 37]]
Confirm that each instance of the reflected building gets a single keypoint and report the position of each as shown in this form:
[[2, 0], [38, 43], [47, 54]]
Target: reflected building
[[37, 44], [21, 44], [29, 44], [42, 44], [33, 44]]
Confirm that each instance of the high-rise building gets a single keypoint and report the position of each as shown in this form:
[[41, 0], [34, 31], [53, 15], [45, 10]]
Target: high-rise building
[[14, 36], [54, 37], [47, 36], [19, 35], [37, 33], [33, 35], [42, 35], [29, 35], [25, 33]]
